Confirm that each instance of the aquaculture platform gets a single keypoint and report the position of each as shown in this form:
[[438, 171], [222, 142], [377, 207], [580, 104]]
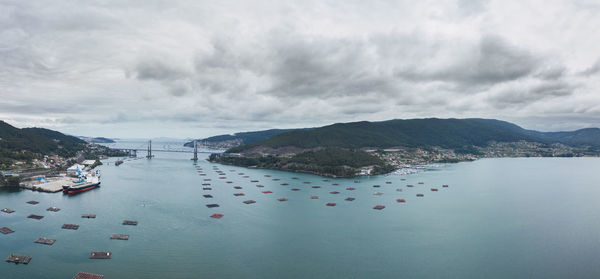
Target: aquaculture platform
[[119, 236], [70, 226], [17, 259], [130, 223], [100, 255], [85, 275], [46, 241]]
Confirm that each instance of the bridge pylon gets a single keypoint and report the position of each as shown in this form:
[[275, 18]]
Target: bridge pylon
[[195, 151], [149, 156]]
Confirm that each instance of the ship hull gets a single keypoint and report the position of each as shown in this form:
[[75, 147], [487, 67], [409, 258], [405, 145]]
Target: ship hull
[[81, 188]]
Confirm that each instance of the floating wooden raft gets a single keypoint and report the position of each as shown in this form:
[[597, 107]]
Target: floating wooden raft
[[237, 187], [130, 223], [85, 275], [17, 259], [238, 194], [7, 210], [314, 197], [46, 241], [100, 255], [53, 209], [212, 205], [119, 236], [399, 190], [330, 204], [295, 189], [37, 217], [379, 207], [316, 187], [334, 192], [401, 200], [33, 202], [420, 195], [217, 216], [376, 186], [207, 196], [6, 230], [206, 188], [70, 227], [350, 199], [88, 216], [282, 199], [249, 201]]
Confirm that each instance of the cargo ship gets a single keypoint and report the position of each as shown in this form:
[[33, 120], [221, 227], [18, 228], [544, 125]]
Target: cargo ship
[[83, 183], [80, 187]]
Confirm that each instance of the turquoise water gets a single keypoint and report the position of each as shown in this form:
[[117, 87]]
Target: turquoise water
[[499, 218]]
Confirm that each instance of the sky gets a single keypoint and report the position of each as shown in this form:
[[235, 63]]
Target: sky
[[152, 68]]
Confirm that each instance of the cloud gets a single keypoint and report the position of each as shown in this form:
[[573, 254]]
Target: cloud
[[116, 67], [592, 70]]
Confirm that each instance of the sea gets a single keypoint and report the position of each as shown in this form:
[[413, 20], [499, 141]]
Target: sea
[[497, 218]]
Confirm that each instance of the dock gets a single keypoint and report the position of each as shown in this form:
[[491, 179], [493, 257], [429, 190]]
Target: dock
[[17, 259], [45, 241], [85, 275], [119, 236], [6, 230], [100, 255], [52, 186]]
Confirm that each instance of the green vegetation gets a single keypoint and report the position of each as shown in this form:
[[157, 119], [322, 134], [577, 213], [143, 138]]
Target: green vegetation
[[29, 143], [458, 134], [419, 141], [33, 143], [11, 181], [328, 161]]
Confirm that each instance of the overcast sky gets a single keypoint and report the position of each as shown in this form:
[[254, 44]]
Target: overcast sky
[[198, 68]]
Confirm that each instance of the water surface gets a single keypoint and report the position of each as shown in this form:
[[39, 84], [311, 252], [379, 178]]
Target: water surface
[[499, 218]]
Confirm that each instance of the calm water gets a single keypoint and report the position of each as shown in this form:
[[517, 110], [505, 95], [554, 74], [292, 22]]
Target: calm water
[[500, 218]]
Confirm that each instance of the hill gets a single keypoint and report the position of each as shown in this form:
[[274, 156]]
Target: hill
[[24, 144], [238, 138], [446, 133], [33, 143], [412, 141]]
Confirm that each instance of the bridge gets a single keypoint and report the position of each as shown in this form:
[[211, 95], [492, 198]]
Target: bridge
[[133, 151]]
